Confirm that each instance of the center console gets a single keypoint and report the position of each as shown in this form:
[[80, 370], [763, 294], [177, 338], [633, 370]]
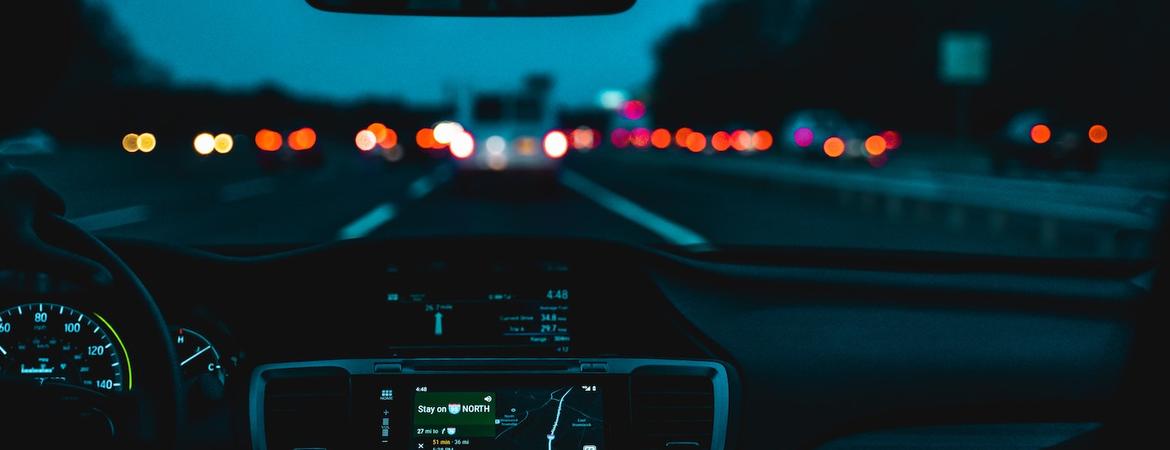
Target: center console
[[490, 404]]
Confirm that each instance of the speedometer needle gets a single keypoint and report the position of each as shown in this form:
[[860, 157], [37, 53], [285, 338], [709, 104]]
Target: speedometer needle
[[189, 358]]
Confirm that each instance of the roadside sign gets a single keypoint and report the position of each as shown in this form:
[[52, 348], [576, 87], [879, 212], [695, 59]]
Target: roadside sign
[[964, 58]]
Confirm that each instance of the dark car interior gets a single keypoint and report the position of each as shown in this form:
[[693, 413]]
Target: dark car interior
[[494, 342], [691, 351]]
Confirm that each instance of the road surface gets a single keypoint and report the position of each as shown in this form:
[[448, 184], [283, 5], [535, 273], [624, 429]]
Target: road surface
[[644, 197]]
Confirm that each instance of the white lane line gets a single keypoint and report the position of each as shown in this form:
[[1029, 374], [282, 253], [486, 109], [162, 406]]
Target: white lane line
[[427, 183], [672, 232], [420, 187], [246, 189], [368, 222], [115, 218]]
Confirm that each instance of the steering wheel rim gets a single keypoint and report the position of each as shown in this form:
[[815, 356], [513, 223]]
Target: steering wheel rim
[[155, 401]]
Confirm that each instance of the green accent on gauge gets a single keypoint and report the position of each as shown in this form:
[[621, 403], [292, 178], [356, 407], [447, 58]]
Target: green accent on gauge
[[122, 345]]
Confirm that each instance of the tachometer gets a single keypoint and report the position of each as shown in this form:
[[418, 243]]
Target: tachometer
[[51, 342]]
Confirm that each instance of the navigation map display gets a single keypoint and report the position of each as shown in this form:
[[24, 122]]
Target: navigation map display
[[555, 418]]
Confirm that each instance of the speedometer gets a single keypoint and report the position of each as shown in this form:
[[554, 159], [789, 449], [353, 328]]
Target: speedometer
[[55, 343]]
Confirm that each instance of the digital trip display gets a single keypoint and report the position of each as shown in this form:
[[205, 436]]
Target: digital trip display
[[557, 417], [520, 320]]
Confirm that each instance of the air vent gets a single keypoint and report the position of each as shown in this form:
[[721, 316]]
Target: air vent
[[305, 408], [672, 411]]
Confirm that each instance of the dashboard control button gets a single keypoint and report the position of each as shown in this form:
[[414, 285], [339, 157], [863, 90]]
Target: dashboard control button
[[387, 368], [594, 367]]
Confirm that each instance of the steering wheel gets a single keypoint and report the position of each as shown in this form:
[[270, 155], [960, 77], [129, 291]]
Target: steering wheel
[[35, 238]]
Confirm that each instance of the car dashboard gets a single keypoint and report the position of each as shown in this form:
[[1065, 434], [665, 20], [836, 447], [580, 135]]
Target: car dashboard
[[469, 344]]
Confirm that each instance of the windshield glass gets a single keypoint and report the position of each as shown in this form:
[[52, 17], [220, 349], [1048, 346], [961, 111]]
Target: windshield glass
[[1003, 127]]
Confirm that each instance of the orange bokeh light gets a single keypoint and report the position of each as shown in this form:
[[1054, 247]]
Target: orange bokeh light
[[425, 138], [834, 147], [379, 130], [696, 141], [390, 140], [762, 140], [875, 145], [268, 140], [680, 136], [302, 139], [741, 140], [1040, 133], [720, 141], [1098, 134], [660, 138]]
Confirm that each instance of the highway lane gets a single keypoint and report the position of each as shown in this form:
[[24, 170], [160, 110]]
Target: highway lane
[[606, 195]]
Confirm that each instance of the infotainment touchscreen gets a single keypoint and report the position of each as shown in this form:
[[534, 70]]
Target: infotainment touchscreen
[[560, 417], [490, 415]]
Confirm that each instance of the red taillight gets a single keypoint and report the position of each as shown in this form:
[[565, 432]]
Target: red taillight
[[1098, 134], [1040, 133], [720, 141], [302, 139], [268, 140]]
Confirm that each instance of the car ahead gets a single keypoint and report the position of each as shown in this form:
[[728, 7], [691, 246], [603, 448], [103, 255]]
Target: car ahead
[[512, 137], [1039, 140], [300, 149], [827, 134]]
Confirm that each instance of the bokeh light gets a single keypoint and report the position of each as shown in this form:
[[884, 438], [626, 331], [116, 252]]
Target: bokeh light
[[146, 142], [379, 129], [223, 143], [583, 139], [803, 137], [875, 145], [680, 136], [660, 138], [619, 137], [390, 140], [495, 144], [268, 140], [696, 141], [556, 144], [640, 137], [762, 140], [893, 139], [1040, 133], [204, 144], [720, 141], [425, 138], [366, 140], [446, 131], [130, 142], [633, 109], [834, 147], [302, 139], [393, 154], [1098, 134], [462, 145], [741, 140]]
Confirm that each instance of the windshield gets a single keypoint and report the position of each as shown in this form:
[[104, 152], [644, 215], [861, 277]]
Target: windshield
[[1003, 127]]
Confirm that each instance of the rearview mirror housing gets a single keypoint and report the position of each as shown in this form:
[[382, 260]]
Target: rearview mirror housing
[[476, 8]]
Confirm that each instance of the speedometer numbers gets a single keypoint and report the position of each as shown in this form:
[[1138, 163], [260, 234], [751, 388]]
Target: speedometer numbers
[[54, 343]]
